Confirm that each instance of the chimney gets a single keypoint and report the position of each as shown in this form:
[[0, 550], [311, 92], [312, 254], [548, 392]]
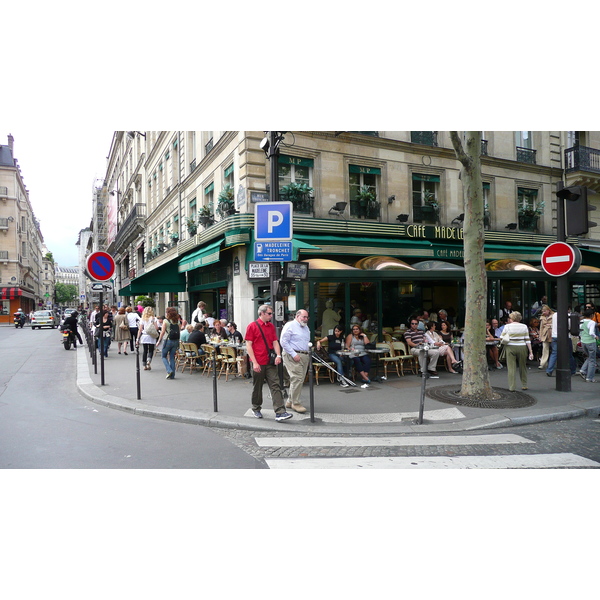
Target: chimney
[[11, 141]]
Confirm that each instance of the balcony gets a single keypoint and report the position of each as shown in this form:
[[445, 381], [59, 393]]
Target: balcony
[[131, 226], [582, 158], [427, 138], [526, 155]]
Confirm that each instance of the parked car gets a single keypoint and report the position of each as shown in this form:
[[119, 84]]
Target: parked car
[[44, 318]]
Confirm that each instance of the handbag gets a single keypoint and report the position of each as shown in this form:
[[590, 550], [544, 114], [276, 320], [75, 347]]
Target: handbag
[[272, 353], [151, 330], [124, 327]]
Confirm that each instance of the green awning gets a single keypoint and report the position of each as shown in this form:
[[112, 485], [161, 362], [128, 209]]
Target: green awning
[[209, 188], [365, 170], [206, 256], [125, 291], [228, 171], [422, 177], [526, 253], [165, 278], [295, 160]]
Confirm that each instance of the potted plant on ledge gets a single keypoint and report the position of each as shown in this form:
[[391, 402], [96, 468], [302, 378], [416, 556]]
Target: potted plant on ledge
[[226, 205], [205, 215], [368, 207], [191, 225], [300, 195], [529, 216]]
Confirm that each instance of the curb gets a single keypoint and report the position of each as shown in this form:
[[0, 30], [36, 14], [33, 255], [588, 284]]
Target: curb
[[89, 390]]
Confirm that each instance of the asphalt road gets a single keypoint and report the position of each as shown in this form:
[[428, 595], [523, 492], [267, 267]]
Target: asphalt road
[[46, 424]]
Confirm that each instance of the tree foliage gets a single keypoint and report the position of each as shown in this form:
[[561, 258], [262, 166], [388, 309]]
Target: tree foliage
[[66, 293]]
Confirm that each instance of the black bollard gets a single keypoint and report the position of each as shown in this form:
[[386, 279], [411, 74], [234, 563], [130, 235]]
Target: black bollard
[[311, 383], [424, 376], [137, 372]]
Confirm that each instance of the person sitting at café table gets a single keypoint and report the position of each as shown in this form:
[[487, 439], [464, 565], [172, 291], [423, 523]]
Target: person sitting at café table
[[491, 342], [435, 340], [356, 341], [235, 336], [197, 336], [443, 318], [335, 343], [219, 330], [414, 338], [185, 333]]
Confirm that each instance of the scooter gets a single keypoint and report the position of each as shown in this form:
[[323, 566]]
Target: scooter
[[19, 321], [68, 338]]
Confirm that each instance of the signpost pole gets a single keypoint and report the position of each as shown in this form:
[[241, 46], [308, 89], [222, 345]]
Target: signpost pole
[[101, 340], [563, 369]]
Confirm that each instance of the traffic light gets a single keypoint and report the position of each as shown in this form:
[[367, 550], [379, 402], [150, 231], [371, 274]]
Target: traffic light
[[577, 209]]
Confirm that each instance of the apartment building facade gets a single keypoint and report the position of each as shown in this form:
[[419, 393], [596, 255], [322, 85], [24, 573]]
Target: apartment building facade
[[21, 242], [377, 216]]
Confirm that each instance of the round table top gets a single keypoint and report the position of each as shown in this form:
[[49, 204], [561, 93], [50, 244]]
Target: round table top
[[377, 350]]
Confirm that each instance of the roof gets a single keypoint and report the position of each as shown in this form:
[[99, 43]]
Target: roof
[[6, 157]]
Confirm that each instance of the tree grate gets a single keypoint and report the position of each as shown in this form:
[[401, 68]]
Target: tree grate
[[503, 398]]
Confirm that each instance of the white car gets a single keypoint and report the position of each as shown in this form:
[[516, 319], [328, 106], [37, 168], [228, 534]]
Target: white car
[[44, 318]]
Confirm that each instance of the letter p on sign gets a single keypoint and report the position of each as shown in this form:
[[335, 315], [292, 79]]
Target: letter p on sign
[[273, 221]]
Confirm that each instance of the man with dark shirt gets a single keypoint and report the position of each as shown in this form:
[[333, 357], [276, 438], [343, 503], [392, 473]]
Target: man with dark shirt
[[71, 323], [197, 337], [234, 335]]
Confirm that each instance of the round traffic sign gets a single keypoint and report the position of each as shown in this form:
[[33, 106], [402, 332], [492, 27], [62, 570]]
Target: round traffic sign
[[100, 266], [560, 259]]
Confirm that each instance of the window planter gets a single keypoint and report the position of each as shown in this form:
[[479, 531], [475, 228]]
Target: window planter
[[528, 223]]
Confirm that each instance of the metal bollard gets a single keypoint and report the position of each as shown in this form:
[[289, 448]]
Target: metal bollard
[[424, 348]]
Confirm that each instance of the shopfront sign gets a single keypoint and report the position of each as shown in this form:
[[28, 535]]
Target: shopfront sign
[[433, 232]]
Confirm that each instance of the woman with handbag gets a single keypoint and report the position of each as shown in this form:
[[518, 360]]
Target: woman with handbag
[[103, 324], [122, 334], [545, 334], [435, 339], [147, 335]]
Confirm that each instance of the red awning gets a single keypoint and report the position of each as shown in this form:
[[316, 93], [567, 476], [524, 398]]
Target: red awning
[[10, 293]]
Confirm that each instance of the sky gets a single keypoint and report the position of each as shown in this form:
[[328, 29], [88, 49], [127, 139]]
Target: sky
[[59, 179]]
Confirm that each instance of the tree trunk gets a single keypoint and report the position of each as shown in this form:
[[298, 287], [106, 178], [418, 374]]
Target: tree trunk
[[475, 381]]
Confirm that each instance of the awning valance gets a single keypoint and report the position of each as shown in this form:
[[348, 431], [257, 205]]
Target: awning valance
[[10, 293], [205, 256], [165, 278]]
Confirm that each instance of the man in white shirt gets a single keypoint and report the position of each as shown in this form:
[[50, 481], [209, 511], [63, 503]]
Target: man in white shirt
[[295, 337], [554, 349]]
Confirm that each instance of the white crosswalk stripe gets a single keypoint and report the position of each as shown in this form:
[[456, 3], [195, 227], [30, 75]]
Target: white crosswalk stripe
[[522, 461], [437, 440], [494, 461]]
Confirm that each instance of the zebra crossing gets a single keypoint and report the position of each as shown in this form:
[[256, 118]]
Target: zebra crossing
[[495, 461]]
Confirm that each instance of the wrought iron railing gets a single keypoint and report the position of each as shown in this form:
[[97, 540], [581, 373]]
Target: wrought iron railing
[[425, 214], [582, 158], [484, 145], [526, 155], [368, 210], [428, 138], [209, 146], [301, 205]]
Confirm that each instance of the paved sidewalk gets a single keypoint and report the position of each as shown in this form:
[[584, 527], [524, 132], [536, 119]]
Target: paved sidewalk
[[391, 406]]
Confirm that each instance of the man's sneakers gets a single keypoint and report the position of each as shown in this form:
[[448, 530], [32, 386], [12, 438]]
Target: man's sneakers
[[582, 375], [433, 375], [257, 414], [284, 416], [344, 384]]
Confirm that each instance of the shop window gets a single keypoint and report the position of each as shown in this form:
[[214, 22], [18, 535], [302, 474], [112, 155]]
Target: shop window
[[425, 190], [530, 209]]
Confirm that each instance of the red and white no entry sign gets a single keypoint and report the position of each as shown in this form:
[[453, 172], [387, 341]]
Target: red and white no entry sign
[[100, 266], [561, 259]]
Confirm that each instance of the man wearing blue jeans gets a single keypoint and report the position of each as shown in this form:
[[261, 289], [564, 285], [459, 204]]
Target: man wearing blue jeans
[[587, 334], [554, 350]]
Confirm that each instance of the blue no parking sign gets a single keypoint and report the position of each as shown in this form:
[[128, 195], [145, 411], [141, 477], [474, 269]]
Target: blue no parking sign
[[273, 221]]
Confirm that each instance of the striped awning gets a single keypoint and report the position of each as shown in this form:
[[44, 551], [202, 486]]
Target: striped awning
[[10, 293]]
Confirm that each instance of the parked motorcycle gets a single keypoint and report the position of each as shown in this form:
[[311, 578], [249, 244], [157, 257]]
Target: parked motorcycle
[[68, 338], [19, 320]]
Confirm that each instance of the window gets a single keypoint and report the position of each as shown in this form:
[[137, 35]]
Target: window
[[524, 143], [487, 217], [292, 172], [425, 198], [364, 194], [228, 176], [428, 138], [209, 196], [529, 208]]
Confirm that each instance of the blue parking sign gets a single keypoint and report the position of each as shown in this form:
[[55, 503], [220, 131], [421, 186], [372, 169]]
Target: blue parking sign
[[273, 221]]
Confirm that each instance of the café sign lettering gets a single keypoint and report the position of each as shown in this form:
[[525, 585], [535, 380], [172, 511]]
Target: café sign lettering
[[436, 232]]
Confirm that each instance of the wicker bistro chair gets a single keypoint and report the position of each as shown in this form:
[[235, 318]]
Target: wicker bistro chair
[[405, 357], [210, 352], [391, 359], [179, 356], [190, 357], [228, 361], [320, 369]]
